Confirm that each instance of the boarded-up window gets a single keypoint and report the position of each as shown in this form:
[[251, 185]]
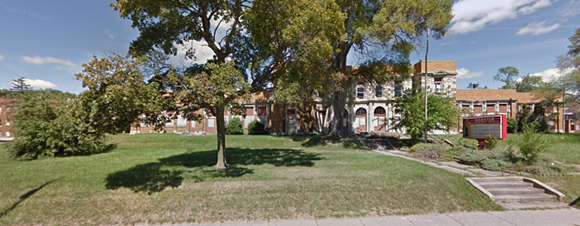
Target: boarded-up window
[[477, 109], [249, 111], [262, 111], [503, 108], [491, 109], [210, 122], [181, 121]]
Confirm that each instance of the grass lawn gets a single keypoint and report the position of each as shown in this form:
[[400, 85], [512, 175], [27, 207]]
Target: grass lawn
[[156, 178]]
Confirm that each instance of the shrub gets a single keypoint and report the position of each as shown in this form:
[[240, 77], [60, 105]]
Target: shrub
[[256, 128], [490, 142], [468, 143], [512, 125], [235, 127], [430, 151], [531, 143], [46, 125], [494, 159]]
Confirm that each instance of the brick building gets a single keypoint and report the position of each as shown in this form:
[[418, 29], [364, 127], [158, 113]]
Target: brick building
[[6, 110]]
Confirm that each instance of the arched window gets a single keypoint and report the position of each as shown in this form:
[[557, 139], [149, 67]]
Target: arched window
[[379, 111], [361, 111]]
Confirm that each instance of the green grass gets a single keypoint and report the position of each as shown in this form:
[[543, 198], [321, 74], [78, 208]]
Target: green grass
[[155, 179]]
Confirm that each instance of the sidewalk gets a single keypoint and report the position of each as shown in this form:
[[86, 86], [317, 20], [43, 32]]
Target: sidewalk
[[559, 217]]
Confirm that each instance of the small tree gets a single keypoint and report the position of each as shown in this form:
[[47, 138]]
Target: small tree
[[20, 84], [531, 143], [442, 113], [117, 95]]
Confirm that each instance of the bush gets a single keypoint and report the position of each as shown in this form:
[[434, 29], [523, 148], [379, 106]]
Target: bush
[[256, 128], [512, 125], [46, 125], [235, 127], [494, 159], [430, 151], [531, 143], [490, 142]]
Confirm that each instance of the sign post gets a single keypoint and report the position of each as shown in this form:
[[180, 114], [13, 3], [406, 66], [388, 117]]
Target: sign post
[[480, 127]]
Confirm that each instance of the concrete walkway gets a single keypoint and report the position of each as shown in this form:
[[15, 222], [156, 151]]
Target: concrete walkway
[[559, 217]]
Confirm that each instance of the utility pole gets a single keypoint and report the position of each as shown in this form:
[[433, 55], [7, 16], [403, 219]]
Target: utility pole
[[426, 91]]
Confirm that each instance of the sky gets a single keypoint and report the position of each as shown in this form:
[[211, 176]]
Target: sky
[[47, 41]]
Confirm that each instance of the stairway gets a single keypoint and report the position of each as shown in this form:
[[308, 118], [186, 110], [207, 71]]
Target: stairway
[[517, 192]]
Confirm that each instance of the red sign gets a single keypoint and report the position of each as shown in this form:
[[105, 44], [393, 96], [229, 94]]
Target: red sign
[[481, 126]]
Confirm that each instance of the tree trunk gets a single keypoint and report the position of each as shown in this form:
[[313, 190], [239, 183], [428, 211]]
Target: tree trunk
[[338, 102], [339, 98], [221, 138]]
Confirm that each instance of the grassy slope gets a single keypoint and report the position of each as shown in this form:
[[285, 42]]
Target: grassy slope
[[564, 148], [152, 178]]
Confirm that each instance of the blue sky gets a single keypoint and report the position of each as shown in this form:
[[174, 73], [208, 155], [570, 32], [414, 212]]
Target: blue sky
[[47, 41]]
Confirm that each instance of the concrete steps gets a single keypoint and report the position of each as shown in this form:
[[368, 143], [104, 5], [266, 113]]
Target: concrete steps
[[515, 190]]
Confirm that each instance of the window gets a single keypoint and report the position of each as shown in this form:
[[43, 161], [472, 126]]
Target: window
[[379, 111], [262, 111], [379, 91], [398, 89], [181, 121], [7, 122], [360, 90], [438, 86], [361, 112]]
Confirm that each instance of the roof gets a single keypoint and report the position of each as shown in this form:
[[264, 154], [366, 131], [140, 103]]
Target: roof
[[497, 94]]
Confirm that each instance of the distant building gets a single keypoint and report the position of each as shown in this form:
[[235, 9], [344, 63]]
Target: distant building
[[6, 111], [509, 102]]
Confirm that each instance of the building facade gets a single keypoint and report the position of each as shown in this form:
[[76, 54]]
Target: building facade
[[6, 110]]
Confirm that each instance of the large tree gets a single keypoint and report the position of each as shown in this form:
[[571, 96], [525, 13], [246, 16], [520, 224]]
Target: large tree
[[393, 27], [223, 26], [528, 83], [508, 76]]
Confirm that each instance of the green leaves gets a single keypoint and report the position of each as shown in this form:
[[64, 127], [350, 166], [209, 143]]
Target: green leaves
[[116, 95], [442, 113]]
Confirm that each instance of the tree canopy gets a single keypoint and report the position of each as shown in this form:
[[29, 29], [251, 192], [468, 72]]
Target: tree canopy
[[508, 76], [442, 113]]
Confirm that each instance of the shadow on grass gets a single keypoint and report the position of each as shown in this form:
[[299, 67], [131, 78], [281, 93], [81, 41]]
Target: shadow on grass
[[576, 202], [323, 140], [198, 166], [24, 197]]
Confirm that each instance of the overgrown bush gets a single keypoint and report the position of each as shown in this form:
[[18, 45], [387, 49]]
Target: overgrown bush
[[512, 125], [235, 127], [468, 143], [531, 143], [256, 128], [45, 125]]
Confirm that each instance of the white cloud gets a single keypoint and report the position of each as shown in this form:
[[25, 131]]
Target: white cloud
[[37, 83], [1, 57], [474, 15], [109, 34], [465, 73], [48, 60], [202, 53], [538, 28], [552, 73]]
